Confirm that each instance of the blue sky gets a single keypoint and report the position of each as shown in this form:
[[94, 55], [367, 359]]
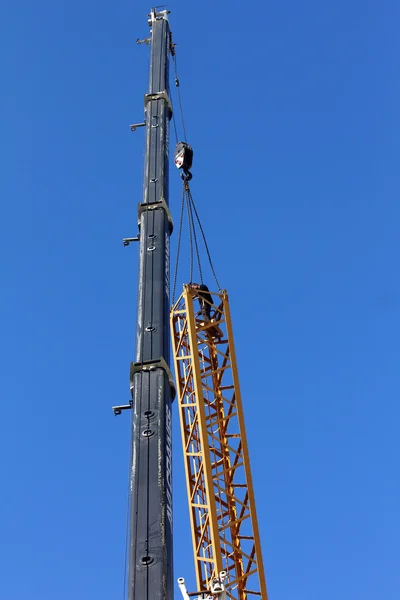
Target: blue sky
[[292, 110]]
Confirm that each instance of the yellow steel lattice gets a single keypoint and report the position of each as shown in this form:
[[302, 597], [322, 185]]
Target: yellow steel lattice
[[220, 491]]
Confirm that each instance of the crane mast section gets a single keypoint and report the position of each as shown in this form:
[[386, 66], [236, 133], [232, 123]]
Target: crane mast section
[[220, 492], [150, 548]]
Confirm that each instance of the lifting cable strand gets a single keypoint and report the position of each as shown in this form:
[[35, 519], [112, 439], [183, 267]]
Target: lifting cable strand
[[172, 53], [174, 124], [177, 84], [191, 227], [195, 239], [174, 121], [191, 201], [191, 207], [173, 116], [178, 250]]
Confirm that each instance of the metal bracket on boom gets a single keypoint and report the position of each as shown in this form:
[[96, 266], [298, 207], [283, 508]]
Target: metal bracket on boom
[[142, 206], [127, 241], [118, 409], [158, 96], [146, 41], [136, 125], [152, 365]]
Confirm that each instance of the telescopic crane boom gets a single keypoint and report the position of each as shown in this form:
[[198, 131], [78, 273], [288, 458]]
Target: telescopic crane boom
[[150, 549]]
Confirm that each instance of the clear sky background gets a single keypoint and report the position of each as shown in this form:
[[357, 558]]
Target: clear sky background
[[293, 112]]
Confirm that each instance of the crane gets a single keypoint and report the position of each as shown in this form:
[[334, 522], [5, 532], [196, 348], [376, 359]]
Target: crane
[[225, 535], [150, 574]]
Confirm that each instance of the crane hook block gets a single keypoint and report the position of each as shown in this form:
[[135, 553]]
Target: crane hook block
[[183, 156]]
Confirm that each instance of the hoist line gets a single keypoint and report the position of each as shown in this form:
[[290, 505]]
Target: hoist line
[[194, 236], [178, 250], [191, 224], [193, 219], [177, 85], [190, 208], [174, 121], [203, 236]]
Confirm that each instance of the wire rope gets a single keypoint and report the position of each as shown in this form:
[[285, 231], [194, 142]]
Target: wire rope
[[178, 250], [196, 247], [203, 236], [192, 213], [177, 84], [191, 226]]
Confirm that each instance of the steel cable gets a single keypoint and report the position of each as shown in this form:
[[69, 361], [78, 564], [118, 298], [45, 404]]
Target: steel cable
[[193, 220], [191, 226], [191, 208], [178, 250], [177, 84], [195, 238], [190, 197]]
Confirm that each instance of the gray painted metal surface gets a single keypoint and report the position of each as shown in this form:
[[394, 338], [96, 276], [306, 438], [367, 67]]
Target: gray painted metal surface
[[150, 552]]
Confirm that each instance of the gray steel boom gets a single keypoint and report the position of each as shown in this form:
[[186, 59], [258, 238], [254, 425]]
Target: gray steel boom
[[150, 550]]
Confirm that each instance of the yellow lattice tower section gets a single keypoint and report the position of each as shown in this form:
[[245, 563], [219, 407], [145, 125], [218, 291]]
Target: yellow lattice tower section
[[219, 485]]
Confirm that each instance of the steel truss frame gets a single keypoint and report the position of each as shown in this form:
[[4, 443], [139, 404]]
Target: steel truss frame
[[219, 485]]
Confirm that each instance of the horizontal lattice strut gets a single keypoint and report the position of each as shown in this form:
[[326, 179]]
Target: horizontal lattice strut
[[219, 486]]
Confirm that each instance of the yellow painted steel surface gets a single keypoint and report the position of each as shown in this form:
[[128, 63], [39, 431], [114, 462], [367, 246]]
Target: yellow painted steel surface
[[219, 485]]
